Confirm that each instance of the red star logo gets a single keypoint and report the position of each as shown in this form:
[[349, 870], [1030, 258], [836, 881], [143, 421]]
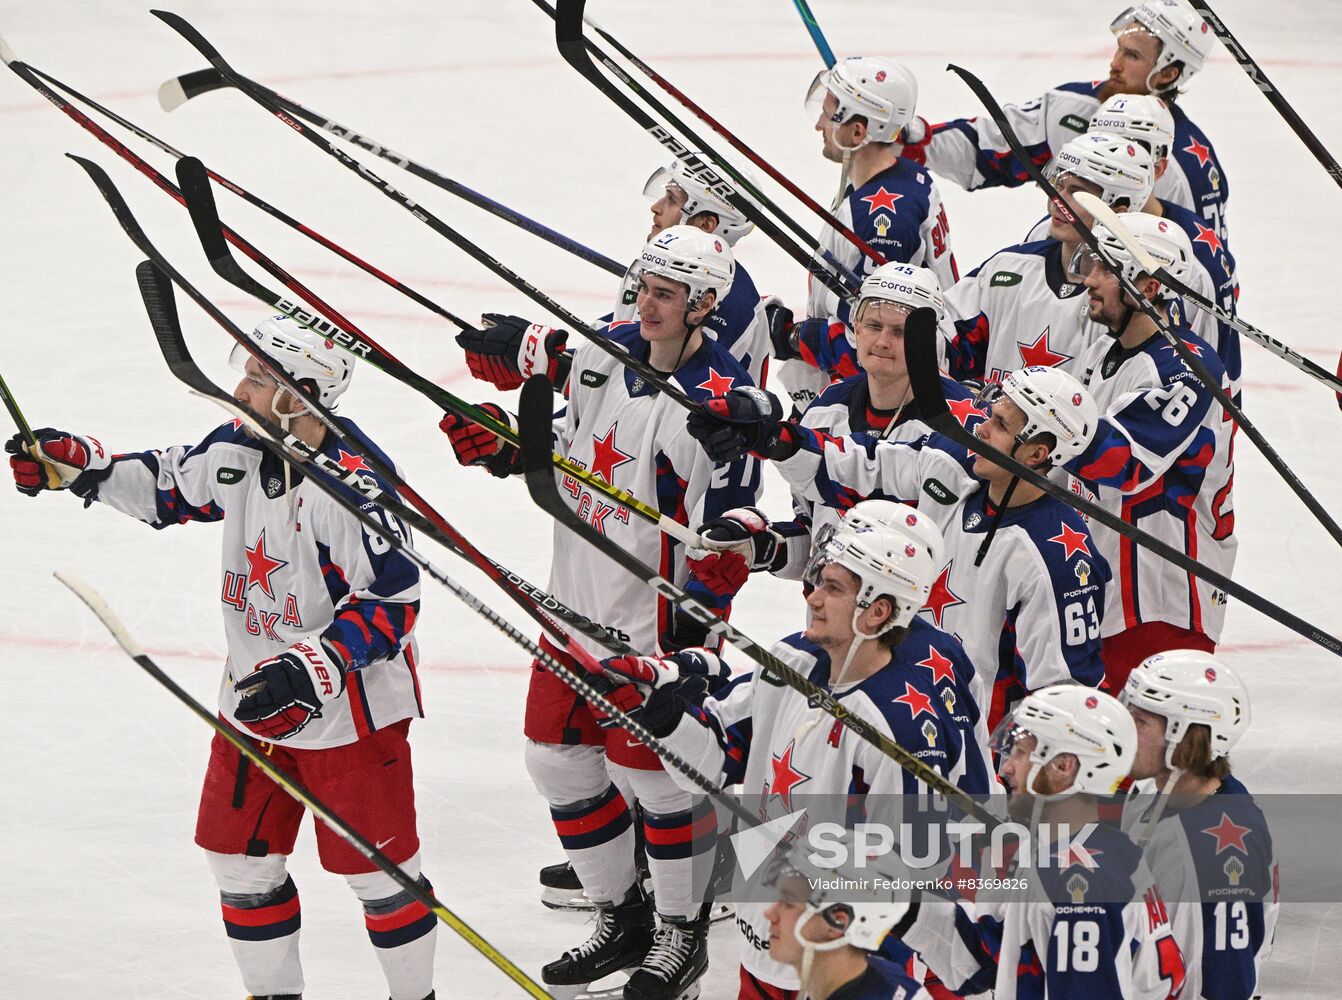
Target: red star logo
[[1203, 153], [916, 702], [1209, 237], [715, 384], [1072, 541], [352, 463], [881, 199], [941, 666], [942, 597], [1228, 834], [786, 777], [237, 424], [963, 409], [1079, 855], [1039, 352], [260, 565], [606, 457], [1195, 348]]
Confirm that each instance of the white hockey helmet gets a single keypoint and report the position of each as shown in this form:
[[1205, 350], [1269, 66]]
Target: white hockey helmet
[[1190, 687], [1141, 118], [1077, 720], [306, 355], [1184, 36], [892, 549], [882, 91], [1054, 403], [904, 284], [732, 224], [1122, 168], [1164, 240], [701, 261]]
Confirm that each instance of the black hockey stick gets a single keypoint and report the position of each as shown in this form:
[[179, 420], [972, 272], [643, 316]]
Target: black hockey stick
[[156, 291], [177, 91], [574, 47], [12, 405], [825, 215], [294, 788], [257, 202], [1190, 360], [920, 355], [1274, 96], [242, 83], [1113, 222], [533, 418], [213, 236]]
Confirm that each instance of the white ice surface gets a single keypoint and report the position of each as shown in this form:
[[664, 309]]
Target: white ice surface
[[103, 894]]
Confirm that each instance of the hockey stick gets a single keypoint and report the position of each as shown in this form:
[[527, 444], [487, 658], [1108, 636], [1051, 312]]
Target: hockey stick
[[574, 47], [264, 206], [920, 354], [1185, 353], [533, 419], [1113, 222], [1274, 96], [156, 291], [295, 788], [242, 83], [759, 161], [29, 439], [817, 36], [177, 91], [212, 234]]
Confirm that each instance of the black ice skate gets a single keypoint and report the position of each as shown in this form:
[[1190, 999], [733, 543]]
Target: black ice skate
[[675, 964], [623, 935], [561, 890]]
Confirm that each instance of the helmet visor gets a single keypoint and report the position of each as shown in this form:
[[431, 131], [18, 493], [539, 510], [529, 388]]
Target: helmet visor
[[821, 556], [815, 94], [237, 360]]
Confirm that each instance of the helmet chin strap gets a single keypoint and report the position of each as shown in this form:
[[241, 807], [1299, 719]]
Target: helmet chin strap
[[809, 948], [1163, 799]]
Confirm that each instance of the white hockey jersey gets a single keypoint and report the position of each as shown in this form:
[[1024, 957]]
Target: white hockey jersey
[[1161, 459], [1029, 614], [621, 428], [295, 566], [764, 736]]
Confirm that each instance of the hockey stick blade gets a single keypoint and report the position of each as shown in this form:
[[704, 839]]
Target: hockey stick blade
[[920, 354], [1114, 223], [533, 416], [172, 94]]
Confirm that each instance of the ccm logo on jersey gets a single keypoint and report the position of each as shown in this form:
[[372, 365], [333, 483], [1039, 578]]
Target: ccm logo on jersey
[[318, 664]]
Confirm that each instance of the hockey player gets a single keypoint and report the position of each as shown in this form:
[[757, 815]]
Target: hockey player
[[318, 616], [1023, 306], [1021, 582], [623, 429], [864, 643], [859, 107], [1207, 842], [1091, 922], [832, 944], [508, 346], [876, 401], [1161, 459], [1212, 274], [1160, 45]]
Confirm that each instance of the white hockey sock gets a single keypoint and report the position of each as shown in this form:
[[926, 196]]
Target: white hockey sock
[[403, 931], [598, 837], [261, 917]]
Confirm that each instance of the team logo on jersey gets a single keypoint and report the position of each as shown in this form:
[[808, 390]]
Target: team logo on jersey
[[881, 199], [943, 670], [1234, 869], [274, 487], [882, 223], [1039, 353], [1071, 540], [941, 597], [786, 777], [228, 477], [1003, 278], [973, 521], [1214, 176], [930, 732], [1074, 122], [592, 379], [1207, 236], [948, 699], [937, 491], [352, 463], [1082, 571], [1229, 834], [917, 702], [1077, 887], [261, 565], [1203, 153], [606, 455], [715, 384]]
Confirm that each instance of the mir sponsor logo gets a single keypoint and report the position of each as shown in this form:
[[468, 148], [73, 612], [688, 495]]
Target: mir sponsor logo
[[1056, 846]]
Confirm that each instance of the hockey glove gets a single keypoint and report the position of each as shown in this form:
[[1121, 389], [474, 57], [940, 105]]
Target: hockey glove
[[283, 694], [748, 419], [651, 672], [474, 445], [915, 136], [738, 543], [57, 460], [509, 350], [782, 330]]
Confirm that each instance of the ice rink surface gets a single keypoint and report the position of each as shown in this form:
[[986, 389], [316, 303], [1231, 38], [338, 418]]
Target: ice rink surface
[[104, 894]]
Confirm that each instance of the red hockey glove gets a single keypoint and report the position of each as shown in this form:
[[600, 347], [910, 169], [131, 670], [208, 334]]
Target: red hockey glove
[[474, 445], [509, 350], [283, 694], [57, 461]]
